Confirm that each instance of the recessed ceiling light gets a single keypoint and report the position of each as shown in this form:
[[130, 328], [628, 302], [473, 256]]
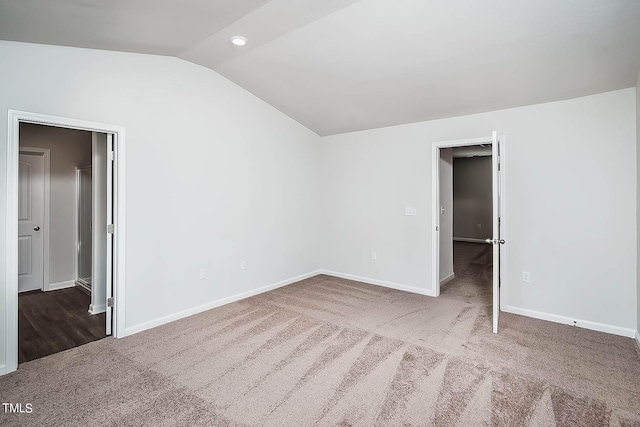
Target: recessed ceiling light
[[238, 40]]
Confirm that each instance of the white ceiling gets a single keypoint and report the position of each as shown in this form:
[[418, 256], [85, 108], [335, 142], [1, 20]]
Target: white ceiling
[[346, 65]]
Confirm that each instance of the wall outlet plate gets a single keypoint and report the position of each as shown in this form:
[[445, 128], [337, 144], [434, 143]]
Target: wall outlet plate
[[526, 277], [374, 256]]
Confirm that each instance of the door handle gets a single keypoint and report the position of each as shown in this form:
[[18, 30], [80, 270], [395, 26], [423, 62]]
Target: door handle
[[495, 241], [36, 228]]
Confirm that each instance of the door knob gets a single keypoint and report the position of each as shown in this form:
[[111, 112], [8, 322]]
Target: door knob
[[494, 241], [36, 228]]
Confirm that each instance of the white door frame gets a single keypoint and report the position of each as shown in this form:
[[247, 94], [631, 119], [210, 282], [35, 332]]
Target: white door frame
[[46, 220], [435, 203], [11, 225]]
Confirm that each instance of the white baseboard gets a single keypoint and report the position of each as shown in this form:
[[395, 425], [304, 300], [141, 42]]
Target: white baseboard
[[84, 286], [447, 279], [384, 283], [60, 285], [465, 239], [97, 309], [587, 324], [3, 369], [213, 304], [638, 338]]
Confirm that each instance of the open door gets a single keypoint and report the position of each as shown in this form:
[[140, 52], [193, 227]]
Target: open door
[[497, 241], [110, 231]]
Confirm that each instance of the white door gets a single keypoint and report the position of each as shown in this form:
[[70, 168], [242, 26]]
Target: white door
[[30, 222], [497, 240], [110, 230]]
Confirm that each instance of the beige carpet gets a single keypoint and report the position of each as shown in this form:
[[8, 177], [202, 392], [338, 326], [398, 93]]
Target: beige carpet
[[328, 351]]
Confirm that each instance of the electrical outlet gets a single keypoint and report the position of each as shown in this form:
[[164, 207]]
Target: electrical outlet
[[203, 273], [526, 277], [479, 226], [374, 256], [244, 264]]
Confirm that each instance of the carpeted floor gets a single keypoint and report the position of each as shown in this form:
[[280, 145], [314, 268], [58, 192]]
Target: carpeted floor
[[328, 351]]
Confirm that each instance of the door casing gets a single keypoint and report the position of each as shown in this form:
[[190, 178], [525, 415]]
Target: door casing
[[11, 223]]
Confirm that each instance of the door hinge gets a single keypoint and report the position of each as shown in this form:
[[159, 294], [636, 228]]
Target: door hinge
[[112, 156], [109, 228], [110, 302]]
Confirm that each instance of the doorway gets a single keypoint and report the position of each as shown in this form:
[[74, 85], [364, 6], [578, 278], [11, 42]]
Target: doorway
[[477, 250], [20, 242], [66, 309]]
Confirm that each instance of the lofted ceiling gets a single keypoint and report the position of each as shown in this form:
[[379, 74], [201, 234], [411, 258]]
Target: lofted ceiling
[[346, 65]]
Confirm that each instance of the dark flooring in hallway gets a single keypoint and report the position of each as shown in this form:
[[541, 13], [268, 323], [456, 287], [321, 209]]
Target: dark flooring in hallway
[[54, 321]]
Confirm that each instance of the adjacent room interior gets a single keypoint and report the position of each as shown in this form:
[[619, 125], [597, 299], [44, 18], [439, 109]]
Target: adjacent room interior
[[60, 283], [467, 267], [275, 245]]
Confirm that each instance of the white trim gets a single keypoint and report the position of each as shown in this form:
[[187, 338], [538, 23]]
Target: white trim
[[11, 247], [470, 240], [392, 285], [84, 286], [97, 309], [3, 369], [586, 324], [46, 203], [638, 338], [61, 285], [119, 237], [11, 224], [213, 304], [447, 279]]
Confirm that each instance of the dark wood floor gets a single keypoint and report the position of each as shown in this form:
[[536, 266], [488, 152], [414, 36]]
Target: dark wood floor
[[50, 322]]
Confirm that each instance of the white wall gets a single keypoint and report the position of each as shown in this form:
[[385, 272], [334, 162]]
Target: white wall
[[446, 213], [570, 204], [214, 175], [69, 149], [472, 198]]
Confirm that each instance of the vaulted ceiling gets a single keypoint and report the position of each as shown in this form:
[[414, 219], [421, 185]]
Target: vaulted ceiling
[[346, 65]]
